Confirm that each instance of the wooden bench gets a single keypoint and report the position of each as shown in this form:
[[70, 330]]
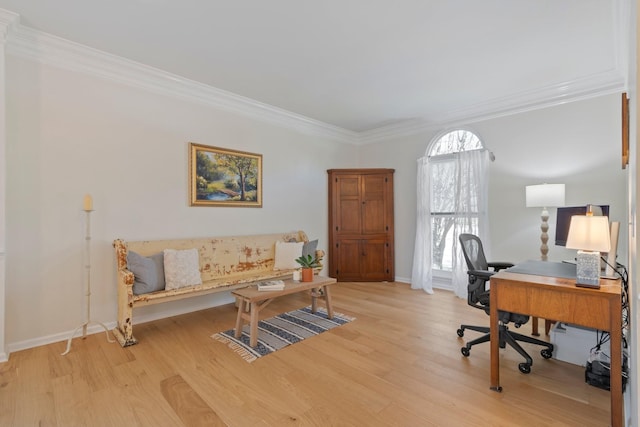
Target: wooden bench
[[225, 264], [252, 301]]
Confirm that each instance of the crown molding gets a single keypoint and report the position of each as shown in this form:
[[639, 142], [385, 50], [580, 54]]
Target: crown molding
[[8, 23], [45, 48], [48, 49], [605, 83]]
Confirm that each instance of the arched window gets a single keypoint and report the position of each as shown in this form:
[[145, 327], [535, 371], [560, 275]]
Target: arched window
[[452, 198], [444, 182]]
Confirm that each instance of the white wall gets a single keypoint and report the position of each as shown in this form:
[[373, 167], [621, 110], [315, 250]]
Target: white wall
[[71, 134], [576, 143]]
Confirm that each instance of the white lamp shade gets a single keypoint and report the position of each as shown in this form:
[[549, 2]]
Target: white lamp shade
[[589, 233], [544, 195]]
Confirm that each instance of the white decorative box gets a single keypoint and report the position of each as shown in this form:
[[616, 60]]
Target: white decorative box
[[588, 268]]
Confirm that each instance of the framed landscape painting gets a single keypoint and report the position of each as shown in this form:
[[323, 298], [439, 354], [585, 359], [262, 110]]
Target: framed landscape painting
[[223, 177]]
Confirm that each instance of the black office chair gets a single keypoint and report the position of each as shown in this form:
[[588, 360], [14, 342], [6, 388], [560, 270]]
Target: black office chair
[[478, 296]]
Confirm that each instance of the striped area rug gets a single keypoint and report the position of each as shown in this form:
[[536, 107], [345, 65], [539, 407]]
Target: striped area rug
[[280, 331]]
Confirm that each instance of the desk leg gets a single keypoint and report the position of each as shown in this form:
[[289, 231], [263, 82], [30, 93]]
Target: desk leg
[[314, 299], [327, 301], [534, 326], [495, 339], [239, 322], [616, 363], [253, 325]]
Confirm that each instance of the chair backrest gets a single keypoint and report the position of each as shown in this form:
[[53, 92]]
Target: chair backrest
[[477, 293], [473, 252]]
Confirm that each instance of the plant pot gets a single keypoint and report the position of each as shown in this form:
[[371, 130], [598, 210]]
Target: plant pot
[[307, 274]]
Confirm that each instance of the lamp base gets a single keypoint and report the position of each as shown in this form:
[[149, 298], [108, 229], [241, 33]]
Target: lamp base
[[588, 269]]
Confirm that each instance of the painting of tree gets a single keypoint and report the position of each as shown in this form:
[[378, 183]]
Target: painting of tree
[[223, 177]]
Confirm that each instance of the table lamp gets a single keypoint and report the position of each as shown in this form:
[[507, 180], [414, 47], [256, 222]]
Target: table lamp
[[544, 196], [590, 235]]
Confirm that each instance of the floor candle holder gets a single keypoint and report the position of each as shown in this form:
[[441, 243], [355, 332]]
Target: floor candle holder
[[87, 209]]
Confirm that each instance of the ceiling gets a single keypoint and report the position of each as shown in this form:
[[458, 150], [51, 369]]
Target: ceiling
[[358, 65]]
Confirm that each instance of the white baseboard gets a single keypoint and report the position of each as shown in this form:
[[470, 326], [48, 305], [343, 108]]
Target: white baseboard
[[442, 283], [61, 336], [438, 282], [196, 304]]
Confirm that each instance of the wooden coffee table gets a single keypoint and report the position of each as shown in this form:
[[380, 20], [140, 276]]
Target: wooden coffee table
[[251, 301]]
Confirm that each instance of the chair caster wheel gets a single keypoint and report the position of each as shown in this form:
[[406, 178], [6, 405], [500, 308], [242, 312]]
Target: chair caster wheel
[[460, 332], [546, 353], [465, 351], [525, 368]]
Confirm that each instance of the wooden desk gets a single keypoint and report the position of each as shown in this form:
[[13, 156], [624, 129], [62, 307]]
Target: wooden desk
[[252, 301], [560, 299]]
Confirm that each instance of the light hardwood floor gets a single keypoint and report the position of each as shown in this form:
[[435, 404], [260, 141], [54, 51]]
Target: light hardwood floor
[[397, 364]]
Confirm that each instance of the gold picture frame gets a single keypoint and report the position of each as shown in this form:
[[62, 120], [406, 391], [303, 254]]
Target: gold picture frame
[[625, 130], [224, 177]]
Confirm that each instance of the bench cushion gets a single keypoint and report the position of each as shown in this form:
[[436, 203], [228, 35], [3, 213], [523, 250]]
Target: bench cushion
[[148, 272]]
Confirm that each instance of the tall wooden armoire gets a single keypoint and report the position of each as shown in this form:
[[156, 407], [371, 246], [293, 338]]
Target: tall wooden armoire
[[361, 225]]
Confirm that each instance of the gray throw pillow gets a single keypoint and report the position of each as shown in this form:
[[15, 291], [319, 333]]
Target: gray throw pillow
[[148, 272], [309, 248]]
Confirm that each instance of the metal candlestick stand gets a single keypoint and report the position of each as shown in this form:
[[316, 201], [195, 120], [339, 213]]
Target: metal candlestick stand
[[88, 295]]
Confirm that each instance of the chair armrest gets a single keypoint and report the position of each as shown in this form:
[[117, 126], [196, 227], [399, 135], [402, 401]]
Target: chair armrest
[[481, 274], [497, 266]]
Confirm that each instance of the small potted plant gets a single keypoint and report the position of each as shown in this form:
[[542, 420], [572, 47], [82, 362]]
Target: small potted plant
[[308, 263]]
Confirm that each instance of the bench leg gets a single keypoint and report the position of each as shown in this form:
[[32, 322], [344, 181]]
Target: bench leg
[[239, 322], [327, 301], [314, 299], [124, 330], [253, 338]]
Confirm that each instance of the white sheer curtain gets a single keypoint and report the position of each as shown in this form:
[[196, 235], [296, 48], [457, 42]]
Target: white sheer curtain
[[471, 207], [421, 274]]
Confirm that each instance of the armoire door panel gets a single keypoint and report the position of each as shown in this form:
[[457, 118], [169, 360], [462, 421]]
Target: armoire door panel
[[373, 184], [373, 203], [373, 265], [349, 217], [349, 185], [348, 256], [373, 218]]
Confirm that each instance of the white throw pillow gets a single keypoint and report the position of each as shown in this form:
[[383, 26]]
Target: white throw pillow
[[181, 268], [286, 254]]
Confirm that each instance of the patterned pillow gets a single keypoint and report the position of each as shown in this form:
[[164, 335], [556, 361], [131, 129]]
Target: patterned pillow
[[181, 268], [286, 254]]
